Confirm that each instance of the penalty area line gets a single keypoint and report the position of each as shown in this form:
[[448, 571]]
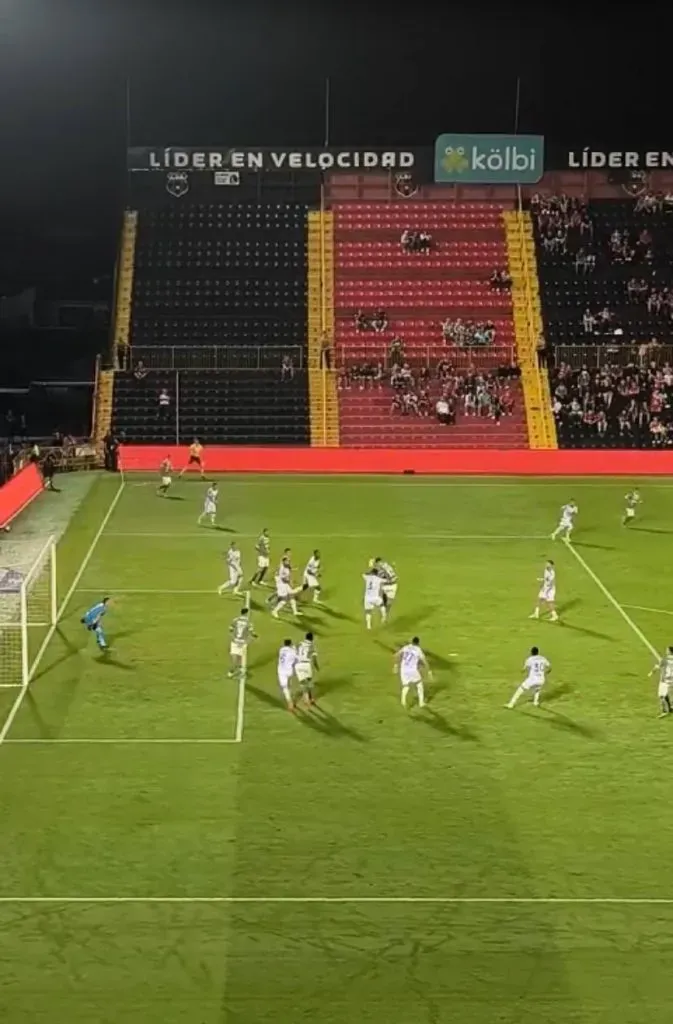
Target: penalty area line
[[356, 900], [612, 599], [642, 608]]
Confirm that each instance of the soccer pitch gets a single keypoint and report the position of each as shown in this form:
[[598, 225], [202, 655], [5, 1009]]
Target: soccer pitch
[[177, 849]]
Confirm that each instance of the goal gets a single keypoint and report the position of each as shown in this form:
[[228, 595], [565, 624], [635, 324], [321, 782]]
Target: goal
[[28, 614]]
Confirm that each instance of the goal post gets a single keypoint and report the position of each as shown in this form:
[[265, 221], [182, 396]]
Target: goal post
[[28, 612]]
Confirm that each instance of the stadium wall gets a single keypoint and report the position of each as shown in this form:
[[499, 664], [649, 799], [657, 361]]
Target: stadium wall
[[519, 462], [18, 493]]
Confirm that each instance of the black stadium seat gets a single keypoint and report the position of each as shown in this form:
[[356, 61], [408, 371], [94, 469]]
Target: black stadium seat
[[223, 276]]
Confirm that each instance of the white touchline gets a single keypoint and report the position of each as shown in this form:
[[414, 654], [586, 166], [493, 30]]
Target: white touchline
[[13, 711], [613, 600], [641, 608], [215, 535], [503, 900], [121, 740]]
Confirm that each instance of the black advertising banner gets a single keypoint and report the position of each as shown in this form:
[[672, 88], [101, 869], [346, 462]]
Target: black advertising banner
[[268, 158]]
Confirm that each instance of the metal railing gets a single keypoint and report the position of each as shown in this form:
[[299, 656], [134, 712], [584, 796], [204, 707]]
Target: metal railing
[[429, 355], [214, 357], [594, 357]]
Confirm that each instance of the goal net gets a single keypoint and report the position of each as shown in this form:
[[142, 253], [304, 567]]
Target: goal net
[[27, 613]]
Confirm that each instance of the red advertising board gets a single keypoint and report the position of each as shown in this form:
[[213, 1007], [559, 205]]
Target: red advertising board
[[18, 492], [515, 462]]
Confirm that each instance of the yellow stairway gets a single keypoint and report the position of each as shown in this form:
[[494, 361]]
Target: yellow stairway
[[124, 295], [323, 397], [102, 405], [528, 328]]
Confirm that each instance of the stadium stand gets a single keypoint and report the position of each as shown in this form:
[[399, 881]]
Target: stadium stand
[[438, 301], [218, 319], [606, 286]]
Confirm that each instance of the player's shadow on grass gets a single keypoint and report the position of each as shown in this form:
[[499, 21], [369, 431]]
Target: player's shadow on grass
[[554, 693], [270, 699], [558, 721], [433, 719], [647, 529], [591, 544], [324, 609], [568, 606], [173, 497], [331, 685], [593, 633], [112, 661], [59, 708], [412, 619], [319, 720]]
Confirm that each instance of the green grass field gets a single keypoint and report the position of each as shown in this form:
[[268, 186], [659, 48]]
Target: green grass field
[[356, 864]]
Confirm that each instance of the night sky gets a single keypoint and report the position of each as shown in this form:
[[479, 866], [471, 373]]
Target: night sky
[[253, 74]]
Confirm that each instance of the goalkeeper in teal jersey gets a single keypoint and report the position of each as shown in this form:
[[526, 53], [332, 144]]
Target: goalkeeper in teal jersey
[[92, 621]]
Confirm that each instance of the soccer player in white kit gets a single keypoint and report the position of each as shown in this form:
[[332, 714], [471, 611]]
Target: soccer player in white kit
[[373, 596], [409, 661], [287, 656], [209, 505], [233, 557], [665, 669], [312, 576], [632, 499], [546, 598], [307, 660], [567, 522], [285, 592], [537, 669]]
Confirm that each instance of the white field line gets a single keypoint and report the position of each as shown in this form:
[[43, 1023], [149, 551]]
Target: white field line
[[217, 534], [613, 600], [242, 679], [642, 608], [123, 590], [13, 711], [121, 740], [355, 900]]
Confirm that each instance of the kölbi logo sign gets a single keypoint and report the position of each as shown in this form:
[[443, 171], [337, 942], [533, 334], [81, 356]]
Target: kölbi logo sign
[[489, 159], [267, 159]]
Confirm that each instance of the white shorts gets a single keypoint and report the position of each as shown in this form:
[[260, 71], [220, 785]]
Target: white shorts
[[166, 481], [236, 649], [284, 681], [630, 513], [390, 590], [373, 602], [311, 581], [235, 575], [303, 672], [663, 689], [262, 561], [410, 678], [209, 509], [547, 594], [563, 525], [533, 683], [283, 590]]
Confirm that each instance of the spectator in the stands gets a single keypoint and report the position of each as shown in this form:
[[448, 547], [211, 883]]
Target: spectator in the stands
[[396, 351], [500, 281], [140, 371], [416, 241], [407, 240], [286, 369], [379, 321], [164, 404]]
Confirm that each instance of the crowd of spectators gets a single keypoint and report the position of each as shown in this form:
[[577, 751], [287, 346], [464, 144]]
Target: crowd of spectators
[[500, 281], [376, 321], [616, 406], [416, 241], [468, 333]]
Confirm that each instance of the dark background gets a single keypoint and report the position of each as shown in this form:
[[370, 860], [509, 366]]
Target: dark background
[[254, 74]]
